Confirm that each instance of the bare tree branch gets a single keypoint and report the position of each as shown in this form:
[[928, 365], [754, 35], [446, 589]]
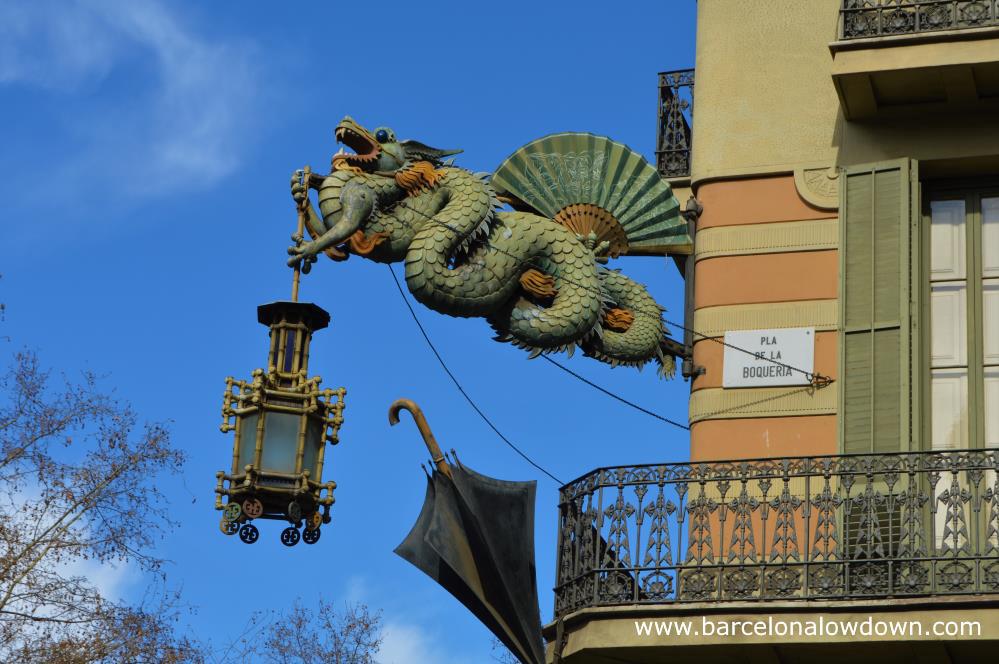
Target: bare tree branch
[[77, 485], [304, 635]]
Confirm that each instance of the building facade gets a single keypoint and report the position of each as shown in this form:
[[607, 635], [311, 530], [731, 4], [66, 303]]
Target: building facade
[[845, 158]]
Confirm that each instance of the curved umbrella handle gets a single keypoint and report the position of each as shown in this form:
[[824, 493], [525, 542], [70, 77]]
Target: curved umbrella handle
[[424, 428]]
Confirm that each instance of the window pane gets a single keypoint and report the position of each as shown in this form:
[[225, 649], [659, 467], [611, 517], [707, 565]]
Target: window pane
[[280, 442], [247, 440], [947, 240], [950, 409], [289, 352], [990, 237], [949, 331], [313, 443], [992, 408], [991, 411], [990, 320]]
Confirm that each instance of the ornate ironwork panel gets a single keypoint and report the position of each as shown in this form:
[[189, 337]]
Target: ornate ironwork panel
[[676, 108], [879, 18], [801, 528]]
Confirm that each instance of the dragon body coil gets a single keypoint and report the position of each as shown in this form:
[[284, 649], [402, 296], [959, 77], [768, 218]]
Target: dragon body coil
[[539, 281]]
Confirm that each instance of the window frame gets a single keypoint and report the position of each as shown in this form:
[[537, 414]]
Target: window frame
[[971, 191]]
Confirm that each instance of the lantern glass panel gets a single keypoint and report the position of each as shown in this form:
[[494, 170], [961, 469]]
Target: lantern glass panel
[[247, 440], [313, 443], [280, 443], [289, 352]]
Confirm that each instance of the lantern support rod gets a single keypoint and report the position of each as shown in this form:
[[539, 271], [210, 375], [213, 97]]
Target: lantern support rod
[[303, 209], [424, 428]]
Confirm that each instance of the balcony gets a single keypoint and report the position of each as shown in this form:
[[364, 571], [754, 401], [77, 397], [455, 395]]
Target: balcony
[[674, 138], [897, 534], [899, 58], [861, 19]]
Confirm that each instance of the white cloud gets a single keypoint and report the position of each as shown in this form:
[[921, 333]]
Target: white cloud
[[355, 590], [403, 644], [113, 580], [181, 121], [55, 50]]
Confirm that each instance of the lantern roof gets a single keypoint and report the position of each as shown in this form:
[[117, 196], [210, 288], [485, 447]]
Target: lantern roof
[[314, 316]]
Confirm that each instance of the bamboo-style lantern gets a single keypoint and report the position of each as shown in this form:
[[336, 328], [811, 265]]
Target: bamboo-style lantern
[[282, 422]]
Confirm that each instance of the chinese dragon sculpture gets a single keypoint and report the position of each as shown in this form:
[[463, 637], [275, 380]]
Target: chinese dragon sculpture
[[537, 271]]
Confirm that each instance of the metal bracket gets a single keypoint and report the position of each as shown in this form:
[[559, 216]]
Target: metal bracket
[[689, 370], [676, 349], [691, 213], [692, 210]]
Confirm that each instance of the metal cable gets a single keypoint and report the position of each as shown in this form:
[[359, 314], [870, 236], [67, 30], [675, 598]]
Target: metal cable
[[615, 396], [818, 379], [457, 384], [557, 364], [775, 397]]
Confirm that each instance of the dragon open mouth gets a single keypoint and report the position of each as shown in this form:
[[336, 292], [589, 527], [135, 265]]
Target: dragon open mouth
[[366, 148]]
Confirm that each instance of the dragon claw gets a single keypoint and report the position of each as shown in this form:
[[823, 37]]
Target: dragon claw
[[299, 191], [302, 251]]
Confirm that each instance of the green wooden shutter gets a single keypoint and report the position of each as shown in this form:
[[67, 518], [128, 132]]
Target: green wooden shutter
[[879, 206]]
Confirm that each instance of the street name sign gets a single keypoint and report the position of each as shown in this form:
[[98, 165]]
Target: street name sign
[[775, 358]]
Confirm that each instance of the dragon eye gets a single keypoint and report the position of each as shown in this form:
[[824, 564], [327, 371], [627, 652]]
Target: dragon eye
[[381, 136]]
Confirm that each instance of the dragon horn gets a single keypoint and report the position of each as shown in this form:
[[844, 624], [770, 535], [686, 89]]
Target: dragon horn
[[421, 152]]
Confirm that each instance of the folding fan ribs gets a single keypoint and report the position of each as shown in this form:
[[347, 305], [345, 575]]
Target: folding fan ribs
[[586, 218], [591, 183]]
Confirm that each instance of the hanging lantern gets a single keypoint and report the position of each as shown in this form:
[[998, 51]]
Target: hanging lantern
[[282, 422]]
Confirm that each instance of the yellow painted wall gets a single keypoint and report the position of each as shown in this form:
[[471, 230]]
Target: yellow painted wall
[[766, 103], [764, 100], [766, 109]]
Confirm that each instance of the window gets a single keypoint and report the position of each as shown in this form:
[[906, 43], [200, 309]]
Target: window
[[919, 337], [919, 316], [963, 301]]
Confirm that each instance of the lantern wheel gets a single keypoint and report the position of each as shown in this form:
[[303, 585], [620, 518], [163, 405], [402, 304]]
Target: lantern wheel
[[311, 535], [253, 508], [249, 533], [290, 536], [228, 527], [294, 512], [314, 521], [232, 512]]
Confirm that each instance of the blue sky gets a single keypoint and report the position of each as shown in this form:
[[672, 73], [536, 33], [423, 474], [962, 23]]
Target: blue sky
[[144, 213]]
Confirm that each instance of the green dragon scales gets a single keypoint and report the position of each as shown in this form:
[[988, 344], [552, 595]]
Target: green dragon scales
[[535, 273]]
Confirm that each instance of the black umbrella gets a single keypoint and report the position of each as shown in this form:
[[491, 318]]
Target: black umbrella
[[475, 537]]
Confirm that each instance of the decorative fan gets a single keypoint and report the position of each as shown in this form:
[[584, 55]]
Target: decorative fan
[[592, 184]]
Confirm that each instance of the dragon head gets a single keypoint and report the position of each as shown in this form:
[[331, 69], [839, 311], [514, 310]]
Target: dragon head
[[379, 151]]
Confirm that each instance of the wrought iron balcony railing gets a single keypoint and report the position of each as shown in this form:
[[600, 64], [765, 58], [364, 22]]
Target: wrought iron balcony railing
[[878, 18], [806, 528], [676, 107]]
